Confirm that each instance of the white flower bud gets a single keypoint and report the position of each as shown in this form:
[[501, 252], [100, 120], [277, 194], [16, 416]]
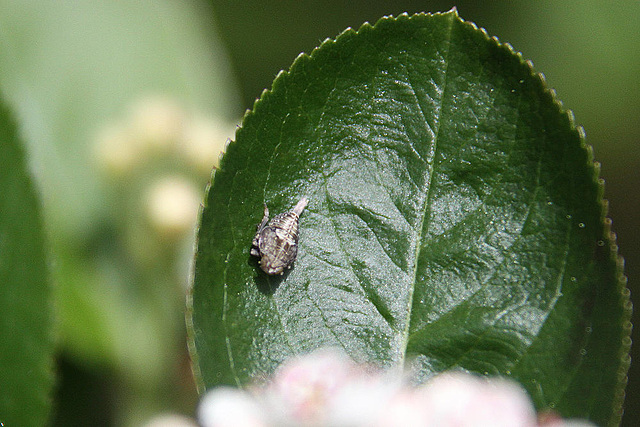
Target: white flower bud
[[467, 400], [116, 151], [302, 387], [172, 207], [403, 409], [363, 400], [229, 407], [170, 420], [157, 122], [326, 388], [203, 142]]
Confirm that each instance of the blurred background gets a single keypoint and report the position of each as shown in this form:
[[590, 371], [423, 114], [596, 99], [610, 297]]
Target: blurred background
[[125, 106]]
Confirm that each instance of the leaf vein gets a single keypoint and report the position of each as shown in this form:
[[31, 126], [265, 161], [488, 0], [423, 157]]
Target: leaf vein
[[428, 182]]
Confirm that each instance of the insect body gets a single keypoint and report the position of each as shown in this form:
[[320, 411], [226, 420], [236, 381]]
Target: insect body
[[276, 242]]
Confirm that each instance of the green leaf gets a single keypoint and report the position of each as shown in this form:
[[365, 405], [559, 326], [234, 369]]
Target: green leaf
[[455, 221], [26, 340]]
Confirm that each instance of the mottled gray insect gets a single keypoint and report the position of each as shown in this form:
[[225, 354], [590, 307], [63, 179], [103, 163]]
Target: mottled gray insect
[[276, 242]]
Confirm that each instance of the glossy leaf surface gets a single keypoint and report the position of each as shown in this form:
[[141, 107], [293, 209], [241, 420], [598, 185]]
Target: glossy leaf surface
[[26, 341], [455, 221]]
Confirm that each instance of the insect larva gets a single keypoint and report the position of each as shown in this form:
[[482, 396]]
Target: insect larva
[[276, 242]]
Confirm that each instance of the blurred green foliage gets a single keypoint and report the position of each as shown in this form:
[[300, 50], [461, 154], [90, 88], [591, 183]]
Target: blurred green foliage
[[114, 100], [26, 300], [71, 69]]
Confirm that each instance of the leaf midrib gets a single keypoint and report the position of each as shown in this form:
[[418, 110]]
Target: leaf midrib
[[437, 116]]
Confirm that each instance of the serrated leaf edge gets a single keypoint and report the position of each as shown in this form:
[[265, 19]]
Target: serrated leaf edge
[[188, 314], [608, 234]]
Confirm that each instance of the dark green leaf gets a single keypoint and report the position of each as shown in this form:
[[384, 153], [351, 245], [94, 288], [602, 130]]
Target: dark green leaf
[[455, 221], [26, 344]]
